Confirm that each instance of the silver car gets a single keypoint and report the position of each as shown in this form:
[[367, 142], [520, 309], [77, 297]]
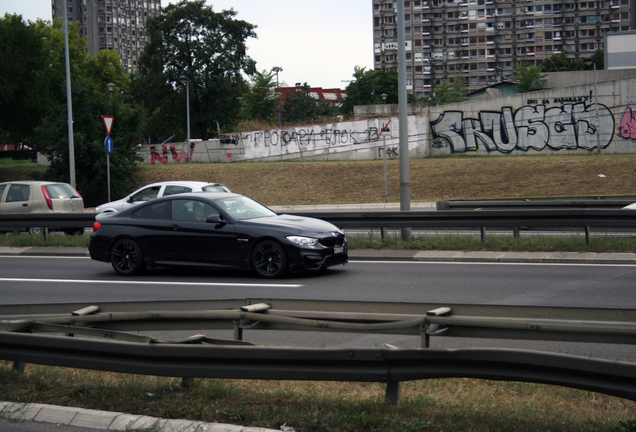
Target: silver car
[[40, 197], [157, 190]]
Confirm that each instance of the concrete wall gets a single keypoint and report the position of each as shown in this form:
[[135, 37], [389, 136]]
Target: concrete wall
[[559, 120]]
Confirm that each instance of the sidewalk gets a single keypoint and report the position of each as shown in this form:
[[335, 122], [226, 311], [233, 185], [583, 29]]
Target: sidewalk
[[402, 255]]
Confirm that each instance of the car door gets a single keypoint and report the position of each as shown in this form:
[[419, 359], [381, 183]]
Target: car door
[[17, 199], [3, 188], [196, 240]]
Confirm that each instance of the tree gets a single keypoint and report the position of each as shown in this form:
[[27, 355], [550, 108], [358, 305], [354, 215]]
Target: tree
[[88, 137], [209, 48], [260, 103], [445, 93], [529, 79], [25, 86], [369, 86], [560, 63], [303, 107]]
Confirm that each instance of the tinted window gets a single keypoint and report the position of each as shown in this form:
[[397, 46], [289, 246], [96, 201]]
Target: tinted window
[[160, 210], [60, 191], [215, 188], [18, 192], [147, 194], [173, 190], [192, 210]]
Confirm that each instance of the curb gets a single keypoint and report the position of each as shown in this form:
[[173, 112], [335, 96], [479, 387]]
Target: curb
[[112, 421]]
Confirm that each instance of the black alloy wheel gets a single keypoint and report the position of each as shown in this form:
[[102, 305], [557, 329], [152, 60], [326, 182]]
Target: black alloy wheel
[[269, 259], [126, 257]]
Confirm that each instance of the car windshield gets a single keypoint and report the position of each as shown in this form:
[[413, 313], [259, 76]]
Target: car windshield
[[60, 191], [244, 208]]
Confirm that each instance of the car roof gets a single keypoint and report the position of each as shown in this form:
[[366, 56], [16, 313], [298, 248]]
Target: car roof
[[30, 182], [182, 182], [208, 195]]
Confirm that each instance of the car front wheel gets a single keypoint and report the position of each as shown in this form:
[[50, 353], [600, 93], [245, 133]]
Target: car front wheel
[[269, 260], [126, 257]]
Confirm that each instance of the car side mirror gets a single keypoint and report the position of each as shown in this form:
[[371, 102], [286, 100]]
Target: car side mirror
[[130, 200], [216, 219]]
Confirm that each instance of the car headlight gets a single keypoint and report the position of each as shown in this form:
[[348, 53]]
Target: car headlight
[[303, 241]]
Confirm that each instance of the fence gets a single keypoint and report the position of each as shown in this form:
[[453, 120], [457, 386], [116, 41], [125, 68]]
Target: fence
[[96, 336], [582, 219]]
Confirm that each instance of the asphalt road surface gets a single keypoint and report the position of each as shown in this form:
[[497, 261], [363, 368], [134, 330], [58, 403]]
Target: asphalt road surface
[[41, 280]]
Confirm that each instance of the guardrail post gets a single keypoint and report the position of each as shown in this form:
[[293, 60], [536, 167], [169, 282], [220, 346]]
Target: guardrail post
[[238, 331], [515, 232], [483, 234], [19, 366], [392, 392], [46, 234], [588, 240]]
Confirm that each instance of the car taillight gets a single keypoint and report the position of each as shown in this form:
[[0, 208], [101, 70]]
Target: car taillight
[[47, 198], [96, 226], [77, 193]]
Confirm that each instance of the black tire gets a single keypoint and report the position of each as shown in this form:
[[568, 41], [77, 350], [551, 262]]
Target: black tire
[[126, 257], [269, 259]]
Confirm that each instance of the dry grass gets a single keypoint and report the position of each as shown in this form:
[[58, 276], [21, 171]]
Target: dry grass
[[458, 177], [428, 405]]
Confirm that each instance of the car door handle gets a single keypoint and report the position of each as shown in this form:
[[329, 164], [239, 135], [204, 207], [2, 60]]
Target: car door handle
[[174, 227], [25, 204]]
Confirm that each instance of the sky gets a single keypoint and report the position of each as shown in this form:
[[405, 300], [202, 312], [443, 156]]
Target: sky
[[315, 42]]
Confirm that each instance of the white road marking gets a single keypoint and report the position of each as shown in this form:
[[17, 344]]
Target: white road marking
[[137, 282]]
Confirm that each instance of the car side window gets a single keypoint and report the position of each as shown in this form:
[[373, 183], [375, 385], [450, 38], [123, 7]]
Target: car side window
[[2, 188], [18, 192], [160, 210], [192, 210], [146, 194], [173, 190]]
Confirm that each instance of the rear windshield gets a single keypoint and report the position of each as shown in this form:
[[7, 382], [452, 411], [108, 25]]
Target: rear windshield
[[60, 191], [215, 188]]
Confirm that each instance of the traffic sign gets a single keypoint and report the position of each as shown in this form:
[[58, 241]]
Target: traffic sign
[[108, 143], [108, 122]]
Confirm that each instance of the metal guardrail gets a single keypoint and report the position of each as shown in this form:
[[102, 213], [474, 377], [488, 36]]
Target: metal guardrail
[[583, 219], [40, 334], [605, 202]]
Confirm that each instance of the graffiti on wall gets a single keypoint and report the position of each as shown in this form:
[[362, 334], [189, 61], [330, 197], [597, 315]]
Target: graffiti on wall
[[627, 129], [163, 157], [333, 138], [570, 126]]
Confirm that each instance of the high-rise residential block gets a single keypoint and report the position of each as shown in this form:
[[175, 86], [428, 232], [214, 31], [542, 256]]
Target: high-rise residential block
[[485, 40], [111, 24]]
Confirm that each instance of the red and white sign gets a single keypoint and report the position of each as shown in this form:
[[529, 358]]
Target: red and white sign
[[108, 122]]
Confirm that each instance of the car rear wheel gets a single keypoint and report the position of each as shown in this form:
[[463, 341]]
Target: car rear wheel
[[269, 260], [126, 257]]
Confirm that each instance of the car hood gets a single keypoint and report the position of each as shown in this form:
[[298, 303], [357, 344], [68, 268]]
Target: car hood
[[301, 224]]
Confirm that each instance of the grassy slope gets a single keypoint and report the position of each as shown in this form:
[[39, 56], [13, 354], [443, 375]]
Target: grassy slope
[[457, 177]]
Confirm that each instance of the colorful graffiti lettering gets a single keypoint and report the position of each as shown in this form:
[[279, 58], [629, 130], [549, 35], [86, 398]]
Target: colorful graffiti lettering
[[163, 158], [628, 125], [569, 126]]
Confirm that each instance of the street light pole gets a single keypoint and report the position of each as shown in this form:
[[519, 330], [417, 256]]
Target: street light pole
[[598, 124], [184, 80], [110, 87], [277, 69], [298, 96]]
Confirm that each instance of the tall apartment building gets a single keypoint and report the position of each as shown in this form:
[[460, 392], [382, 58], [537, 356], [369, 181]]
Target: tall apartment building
[[485, 40], [111, 24]]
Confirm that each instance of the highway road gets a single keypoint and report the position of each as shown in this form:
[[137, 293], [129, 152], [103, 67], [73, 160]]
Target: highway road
[[40, 280]]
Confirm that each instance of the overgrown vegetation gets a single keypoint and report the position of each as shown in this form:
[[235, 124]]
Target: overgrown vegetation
[[428, 405]]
